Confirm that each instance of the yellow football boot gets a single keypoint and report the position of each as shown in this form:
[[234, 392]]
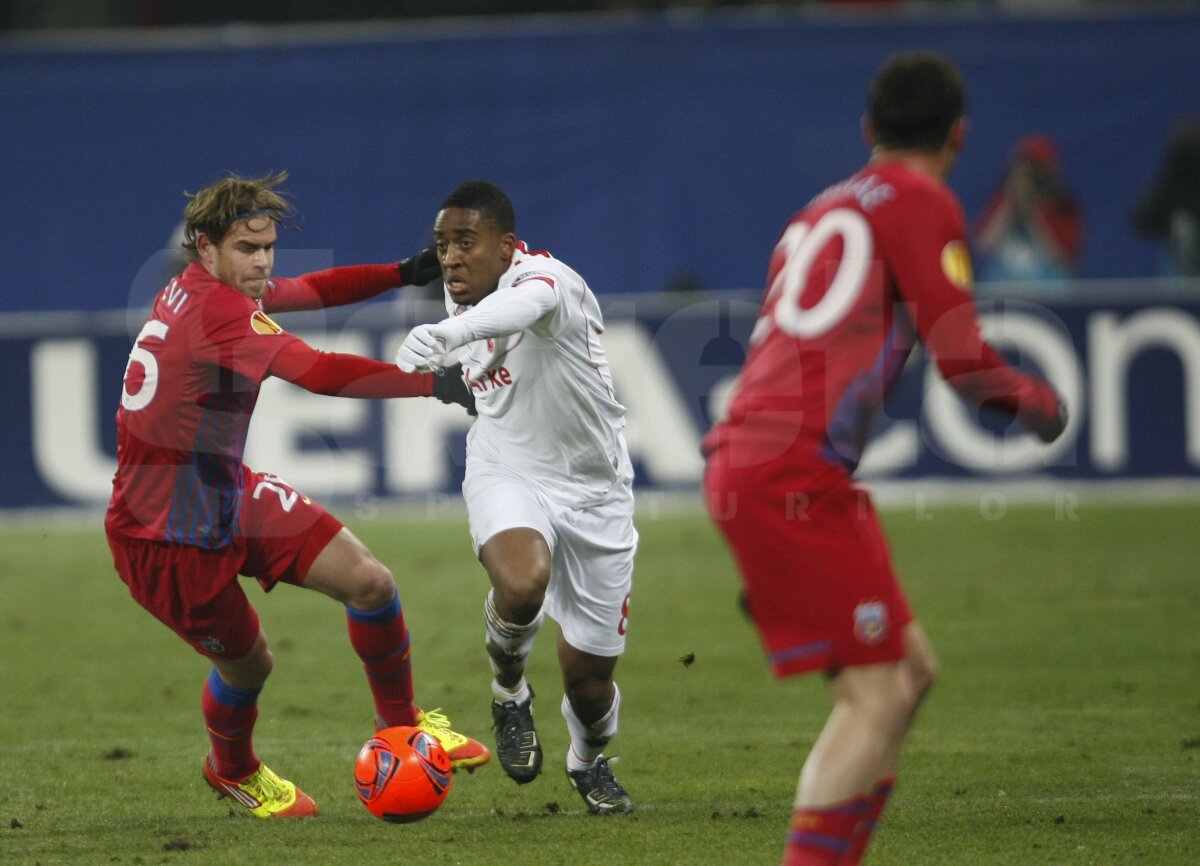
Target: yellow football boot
[[263, 793]]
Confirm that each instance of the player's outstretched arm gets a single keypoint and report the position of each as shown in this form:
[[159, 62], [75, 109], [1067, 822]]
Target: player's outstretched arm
[[499, 314], [932, 267], [338, 374], [982, 376], [336, 287]]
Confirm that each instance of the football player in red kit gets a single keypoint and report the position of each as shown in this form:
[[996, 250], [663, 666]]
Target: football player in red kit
[[187, 516], [868, 267]]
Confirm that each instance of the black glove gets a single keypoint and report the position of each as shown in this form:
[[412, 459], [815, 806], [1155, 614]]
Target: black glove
[[449, 387], [1053, 429], [420, 269]]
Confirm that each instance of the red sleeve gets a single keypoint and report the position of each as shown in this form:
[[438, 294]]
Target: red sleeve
[[342, 375], [924, 241], [330, 288]]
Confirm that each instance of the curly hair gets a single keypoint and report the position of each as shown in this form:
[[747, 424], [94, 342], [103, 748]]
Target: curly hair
[[215, 209], [488, 199]]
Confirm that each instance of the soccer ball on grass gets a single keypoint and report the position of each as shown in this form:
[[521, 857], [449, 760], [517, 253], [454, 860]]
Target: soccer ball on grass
[[402, 774]]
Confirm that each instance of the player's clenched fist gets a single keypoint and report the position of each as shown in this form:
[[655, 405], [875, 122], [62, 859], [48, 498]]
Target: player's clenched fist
[[420, 269], [424, 350], [1052, 428]]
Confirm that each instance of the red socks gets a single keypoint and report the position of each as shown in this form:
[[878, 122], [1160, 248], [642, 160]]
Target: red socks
[[819, 837], [836, 835], [865, 830], [229, 714], [381, 640]]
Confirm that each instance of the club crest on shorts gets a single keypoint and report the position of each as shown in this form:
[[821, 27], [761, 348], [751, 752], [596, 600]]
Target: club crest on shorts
[[870, 622]]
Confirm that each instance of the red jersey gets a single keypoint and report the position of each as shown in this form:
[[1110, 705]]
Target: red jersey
[[191, 384], [868, 267]]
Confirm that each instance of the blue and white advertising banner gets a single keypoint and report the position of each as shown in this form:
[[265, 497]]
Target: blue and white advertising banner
[[1129, 370]]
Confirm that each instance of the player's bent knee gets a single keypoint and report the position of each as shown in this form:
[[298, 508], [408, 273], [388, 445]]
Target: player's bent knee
[[518, 566], [921, 669], [590, 699], [519, 596], [372, 585], [877, 694], [926, 674], [251, 670], [587, 680]]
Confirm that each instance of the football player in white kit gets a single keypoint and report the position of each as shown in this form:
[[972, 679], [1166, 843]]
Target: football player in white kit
[[548, 481]]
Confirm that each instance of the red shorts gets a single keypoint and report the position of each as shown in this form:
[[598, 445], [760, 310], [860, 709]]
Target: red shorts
[[195, 592], [818, 578]]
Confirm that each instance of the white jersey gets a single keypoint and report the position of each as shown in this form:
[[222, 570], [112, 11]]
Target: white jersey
[[531, 354]]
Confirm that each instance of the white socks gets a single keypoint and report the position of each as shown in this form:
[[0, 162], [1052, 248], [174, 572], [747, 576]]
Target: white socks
[[508, 647], [588, 741], [518, 695]]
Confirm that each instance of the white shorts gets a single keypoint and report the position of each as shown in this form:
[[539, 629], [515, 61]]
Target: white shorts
[[591, 551]]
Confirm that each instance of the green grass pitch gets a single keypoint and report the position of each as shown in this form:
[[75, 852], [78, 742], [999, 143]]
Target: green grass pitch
[[1065, 728]]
